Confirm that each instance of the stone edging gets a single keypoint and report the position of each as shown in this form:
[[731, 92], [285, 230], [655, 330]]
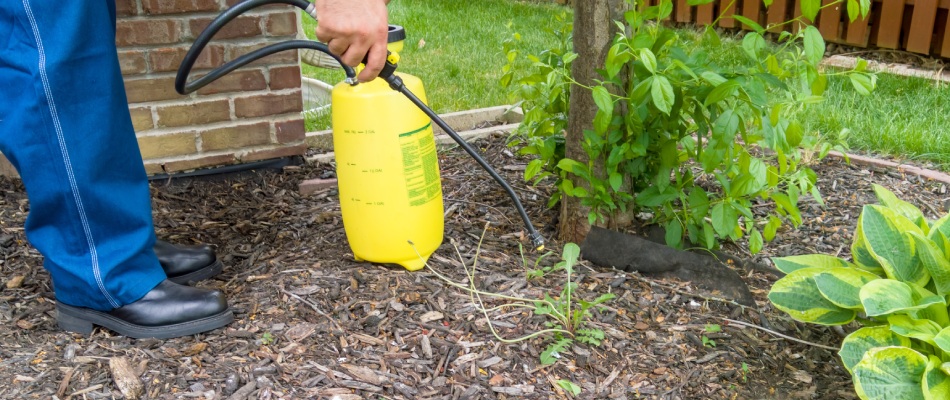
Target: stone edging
[[924, 173]]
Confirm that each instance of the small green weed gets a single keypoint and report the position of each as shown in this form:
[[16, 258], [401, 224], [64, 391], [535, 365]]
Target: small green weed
[[569, 386], [711, 328], [267, 339], [568, 314]]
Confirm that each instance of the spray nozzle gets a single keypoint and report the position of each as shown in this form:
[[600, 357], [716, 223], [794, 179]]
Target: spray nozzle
[[537, 241]]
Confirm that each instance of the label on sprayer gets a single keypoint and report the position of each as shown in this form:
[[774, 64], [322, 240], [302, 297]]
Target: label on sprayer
[[420, 165]]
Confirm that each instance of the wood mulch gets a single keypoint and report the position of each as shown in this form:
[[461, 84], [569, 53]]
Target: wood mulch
[[313, 323]]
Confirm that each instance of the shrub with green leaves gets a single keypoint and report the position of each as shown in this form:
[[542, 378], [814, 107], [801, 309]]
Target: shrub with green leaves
[[896, 286], [696, 145]]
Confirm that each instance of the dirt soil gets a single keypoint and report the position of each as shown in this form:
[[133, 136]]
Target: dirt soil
[[314, 324]]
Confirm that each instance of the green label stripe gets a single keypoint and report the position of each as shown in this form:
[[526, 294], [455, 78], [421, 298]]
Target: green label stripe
[[410, 133]]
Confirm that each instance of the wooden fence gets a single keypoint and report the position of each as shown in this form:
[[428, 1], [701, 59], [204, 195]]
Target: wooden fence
[[918, 26]]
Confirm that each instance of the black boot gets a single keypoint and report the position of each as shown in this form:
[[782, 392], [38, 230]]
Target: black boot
[[167, 311], [187, 264]]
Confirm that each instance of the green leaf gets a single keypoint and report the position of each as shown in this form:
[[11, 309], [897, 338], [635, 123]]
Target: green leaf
[[711, 36], [921, 329], [941, 225], [890, 373], [570, 254], [855, 345], [616, 58], [936, 383], [886, 296], [784, 202], [755, 241], [819, 85], [712, 78], [814, 44], [793, 263], [666, 8], [863, 83], [810, 9], [616, 180], [709, 235], [883, 231], [771, 228], [743, 185], [698, 203], [752, 43], [572, 166], [533, 168], [663, 96], [861, 252], [854, 9], [942, 339], [752, 25], [652, 197], [569, 386], [842, 286], [934, 261], [724, 90], [797, 294], [603, 100], [793, 134], [674, 233], [725, 219], [890, 200], [648, 60]]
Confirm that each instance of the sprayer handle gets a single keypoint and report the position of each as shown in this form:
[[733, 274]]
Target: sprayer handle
[[389, 68]]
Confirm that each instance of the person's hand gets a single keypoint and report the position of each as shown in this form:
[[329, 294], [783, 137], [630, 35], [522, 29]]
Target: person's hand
[[354, 30]]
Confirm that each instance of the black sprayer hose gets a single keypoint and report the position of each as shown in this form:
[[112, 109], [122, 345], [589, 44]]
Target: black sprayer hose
[[388, 74], [202, 40]]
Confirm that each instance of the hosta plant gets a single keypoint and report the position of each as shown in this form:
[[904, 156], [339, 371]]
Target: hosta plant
[[896, 286]]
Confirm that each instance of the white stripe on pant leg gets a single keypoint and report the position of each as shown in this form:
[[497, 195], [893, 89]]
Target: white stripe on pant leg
[[65, 153]]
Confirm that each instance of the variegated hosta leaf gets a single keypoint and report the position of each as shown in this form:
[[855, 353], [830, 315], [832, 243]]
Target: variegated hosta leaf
[[793, 263], [883, 231], [860, 341], [798, 295], [889, 200], [936, 312], [936, 383], [933, 259], [890, 373], [861, 253], [921, 329], [942, 340], [941, 226], [842, 286], [887, 296], [941, 240]]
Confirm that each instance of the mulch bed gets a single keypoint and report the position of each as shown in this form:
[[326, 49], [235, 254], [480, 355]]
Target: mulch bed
[[313, 323]]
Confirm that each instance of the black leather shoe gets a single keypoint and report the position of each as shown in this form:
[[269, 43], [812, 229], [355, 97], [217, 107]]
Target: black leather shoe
[[185, 264], [167, 311]]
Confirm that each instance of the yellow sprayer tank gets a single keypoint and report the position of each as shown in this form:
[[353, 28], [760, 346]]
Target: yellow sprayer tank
[[388, 173]]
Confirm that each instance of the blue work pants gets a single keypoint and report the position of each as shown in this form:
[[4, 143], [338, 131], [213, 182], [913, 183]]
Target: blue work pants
[[65, 126]]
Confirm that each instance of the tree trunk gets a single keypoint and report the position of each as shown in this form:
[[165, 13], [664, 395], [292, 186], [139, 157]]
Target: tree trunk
[[593, 31]]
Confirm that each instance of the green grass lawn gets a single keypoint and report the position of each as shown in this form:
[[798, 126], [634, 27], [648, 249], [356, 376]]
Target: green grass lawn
[[461, 60], [904, 118]]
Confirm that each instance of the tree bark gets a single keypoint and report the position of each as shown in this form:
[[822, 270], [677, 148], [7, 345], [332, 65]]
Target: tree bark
[[593, 31]]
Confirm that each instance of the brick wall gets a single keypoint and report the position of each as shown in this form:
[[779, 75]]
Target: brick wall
[[249, 115]]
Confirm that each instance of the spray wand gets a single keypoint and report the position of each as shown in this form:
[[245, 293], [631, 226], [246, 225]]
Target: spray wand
[[388, 74]]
